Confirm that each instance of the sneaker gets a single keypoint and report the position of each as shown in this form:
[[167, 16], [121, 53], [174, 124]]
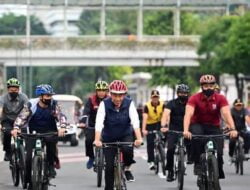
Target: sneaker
[[7, 156], [90, 163], [170, 176], [197, 169], [247, 156], [151, 165], [129, 176]]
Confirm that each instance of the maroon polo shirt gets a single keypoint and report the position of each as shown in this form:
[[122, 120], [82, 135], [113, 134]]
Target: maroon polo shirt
[[207, 110]]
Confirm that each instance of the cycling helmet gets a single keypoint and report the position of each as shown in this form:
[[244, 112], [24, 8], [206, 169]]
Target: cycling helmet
[[207, 79], [13, 82], [44, 89], [183, 88], [118, 87], [101, 85]]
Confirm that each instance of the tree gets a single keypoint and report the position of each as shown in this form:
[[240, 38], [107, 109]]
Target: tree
[[225, 47], [158, 23], [11, 24], [89, 22]]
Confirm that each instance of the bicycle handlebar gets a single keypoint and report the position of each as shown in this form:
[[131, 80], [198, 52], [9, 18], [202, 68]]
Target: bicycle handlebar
[[38, 135], [117, 144], [209, 136]]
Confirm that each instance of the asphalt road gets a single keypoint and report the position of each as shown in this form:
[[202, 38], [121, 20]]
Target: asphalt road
[[74, 176]]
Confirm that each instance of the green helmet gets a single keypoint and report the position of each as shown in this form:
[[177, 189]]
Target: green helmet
[[101, 85], [13, 82]]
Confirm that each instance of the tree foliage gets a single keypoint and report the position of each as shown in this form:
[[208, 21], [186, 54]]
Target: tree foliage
[[11, 24]]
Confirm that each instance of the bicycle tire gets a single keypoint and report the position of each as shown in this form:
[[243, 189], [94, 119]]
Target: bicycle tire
[[213, 173], [14, 166], [162, 159], [37, 178], [236, 162], [202, 177], [118, 176], [181, 169], [241, 159], [99, 165], [22, 166], [156, 162]]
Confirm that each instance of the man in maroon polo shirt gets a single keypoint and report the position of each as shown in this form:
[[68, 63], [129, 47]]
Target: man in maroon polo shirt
[[202, 117]]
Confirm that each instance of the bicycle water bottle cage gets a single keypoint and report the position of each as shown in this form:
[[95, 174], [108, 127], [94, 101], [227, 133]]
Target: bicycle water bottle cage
[[210, 145]]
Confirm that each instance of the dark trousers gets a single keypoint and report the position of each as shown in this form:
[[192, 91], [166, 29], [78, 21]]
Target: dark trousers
[[197, 145], [51, 152], [246, 138], [89, 139], [172, 140], [8, 126], [150, 141], [109, 154]]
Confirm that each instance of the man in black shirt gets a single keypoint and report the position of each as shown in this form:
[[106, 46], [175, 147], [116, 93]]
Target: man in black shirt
[[241, 117], [172, 119]]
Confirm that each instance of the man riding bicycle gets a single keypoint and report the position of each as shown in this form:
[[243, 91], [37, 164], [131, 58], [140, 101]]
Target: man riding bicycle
[[90, 110], [152, 114], [172, 116], [240, 117], [116, 120], [202, 117], [41, 115], [10, 106]]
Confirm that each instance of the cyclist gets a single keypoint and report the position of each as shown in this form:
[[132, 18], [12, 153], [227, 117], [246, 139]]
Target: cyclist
[[152, 121], [90, 110], [41, 114], [240, 117], [114, 118], [172, 118], [203, 112], [10, 106]]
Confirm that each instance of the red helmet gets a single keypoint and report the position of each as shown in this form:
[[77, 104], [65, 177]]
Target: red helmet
[[207, 79], [118, 87]]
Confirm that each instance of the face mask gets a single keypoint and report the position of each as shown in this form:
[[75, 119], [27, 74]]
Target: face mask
[[208, 92], [183, 98], [13, 95], [46, 101]]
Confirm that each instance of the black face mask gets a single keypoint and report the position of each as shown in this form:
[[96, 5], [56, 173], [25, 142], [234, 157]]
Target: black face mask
[[208, 92], [46, 101], [13, 95], [183, 98]]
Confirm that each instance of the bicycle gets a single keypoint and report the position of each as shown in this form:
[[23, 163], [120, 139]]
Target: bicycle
[[159, 151], [40, 168], [17, 163], [208, 178], [180, 159], [119, 175], [99, 165]]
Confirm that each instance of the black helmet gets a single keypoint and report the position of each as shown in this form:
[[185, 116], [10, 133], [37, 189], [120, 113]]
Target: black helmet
[[183, 88]]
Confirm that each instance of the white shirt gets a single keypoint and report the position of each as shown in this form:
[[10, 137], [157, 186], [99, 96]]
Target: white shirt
[[100, 117]]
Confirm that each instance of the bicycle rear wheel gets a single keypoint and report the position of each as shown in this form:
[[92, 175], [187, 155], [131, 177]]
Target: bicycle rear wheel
[[14, 166], [37, 178], [22, 166], [99, 165], [213, 173], [181, 169]]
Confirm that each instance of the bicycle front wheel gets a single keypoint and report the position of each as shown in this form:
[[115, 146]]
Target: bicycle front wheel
[[162, 159], [22, 166], [99, 164], [181, 169], [213, 173], [37, 178], [241, 159], [14, 166]]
